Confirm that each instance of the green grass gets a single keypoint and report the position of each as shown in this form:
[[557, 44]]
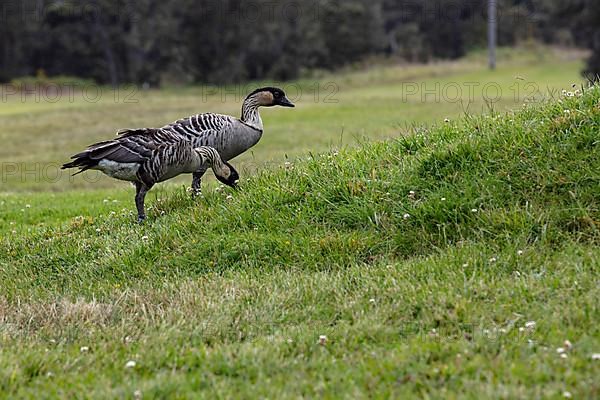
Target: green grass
[[449, 262]]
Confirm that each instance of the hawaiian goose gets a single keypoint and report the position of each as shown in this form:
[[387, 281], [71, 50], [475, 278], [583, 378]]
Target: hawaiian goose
[[127, 161], [230, 136]]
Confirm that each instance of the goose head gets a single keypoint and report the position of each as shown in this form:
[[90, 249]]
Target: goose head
[[270, 97], [227, 175], [224, 171]]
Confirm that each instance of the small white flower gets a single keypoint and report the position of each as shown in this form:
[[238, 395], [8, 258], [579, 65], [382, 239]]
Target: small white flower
[[564, 355], [596, 356], [560, 350], [49, 374], [372, 301], [567, 395], [530, 324], [493, 260], [98, 230], [474, 210], [28, 206], [465, 265], [130, 364], [105, 201], [84, 349], [520, 252], [322, 340], [568, 345], [443, 199], [521, 329], [145, 238], [406, 216], [230, 197], [137, 394], [446, 120]]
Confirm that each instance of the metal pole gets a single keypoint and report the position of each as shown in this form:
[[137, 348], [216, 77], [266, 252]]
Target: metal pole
[[492, 26]]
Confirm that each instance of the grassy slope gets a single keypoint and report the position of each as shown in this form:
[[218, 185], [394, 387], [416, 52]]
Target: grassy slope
[[424, 294]]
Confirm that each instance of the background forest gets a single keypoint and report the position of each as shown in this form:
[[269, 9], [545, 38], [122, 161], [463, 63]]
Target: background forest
[[226, 41]]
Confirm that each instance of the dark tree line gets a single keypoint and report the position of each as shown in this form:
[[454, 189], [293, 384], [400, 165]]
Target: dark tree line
[[223, 41]]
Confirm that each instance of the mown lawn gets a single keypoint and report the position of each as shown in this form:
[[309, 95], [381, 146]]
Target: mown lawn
[[459, 260]]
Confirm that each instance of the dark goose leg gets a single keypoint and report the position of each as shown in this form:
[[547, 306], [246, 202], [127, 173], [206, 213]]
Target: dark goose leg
[[140, 195], [197, 181]]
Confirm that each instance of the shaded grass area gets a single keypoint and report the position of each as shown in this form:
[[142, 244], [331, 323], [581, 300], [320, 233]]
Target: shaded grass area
[[451, 262]]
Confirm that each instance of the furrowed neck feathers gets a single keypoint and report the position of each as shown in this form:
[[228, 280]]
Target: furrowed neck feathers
[[211, 157], [250, 114]]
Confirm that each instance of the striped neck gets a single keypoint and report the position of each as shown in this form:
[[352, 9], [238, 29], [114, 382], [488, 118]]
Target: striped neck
[[250, 114], [210, 156]]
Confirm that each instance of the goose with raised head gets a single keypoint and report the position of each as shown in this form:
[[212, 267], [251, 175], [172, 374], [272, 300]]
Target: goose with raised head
[[230, 136], [147, 167]]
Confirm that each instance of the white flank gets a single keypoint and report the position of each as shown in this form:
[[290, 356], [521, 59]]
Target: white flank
[[122, 171]]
